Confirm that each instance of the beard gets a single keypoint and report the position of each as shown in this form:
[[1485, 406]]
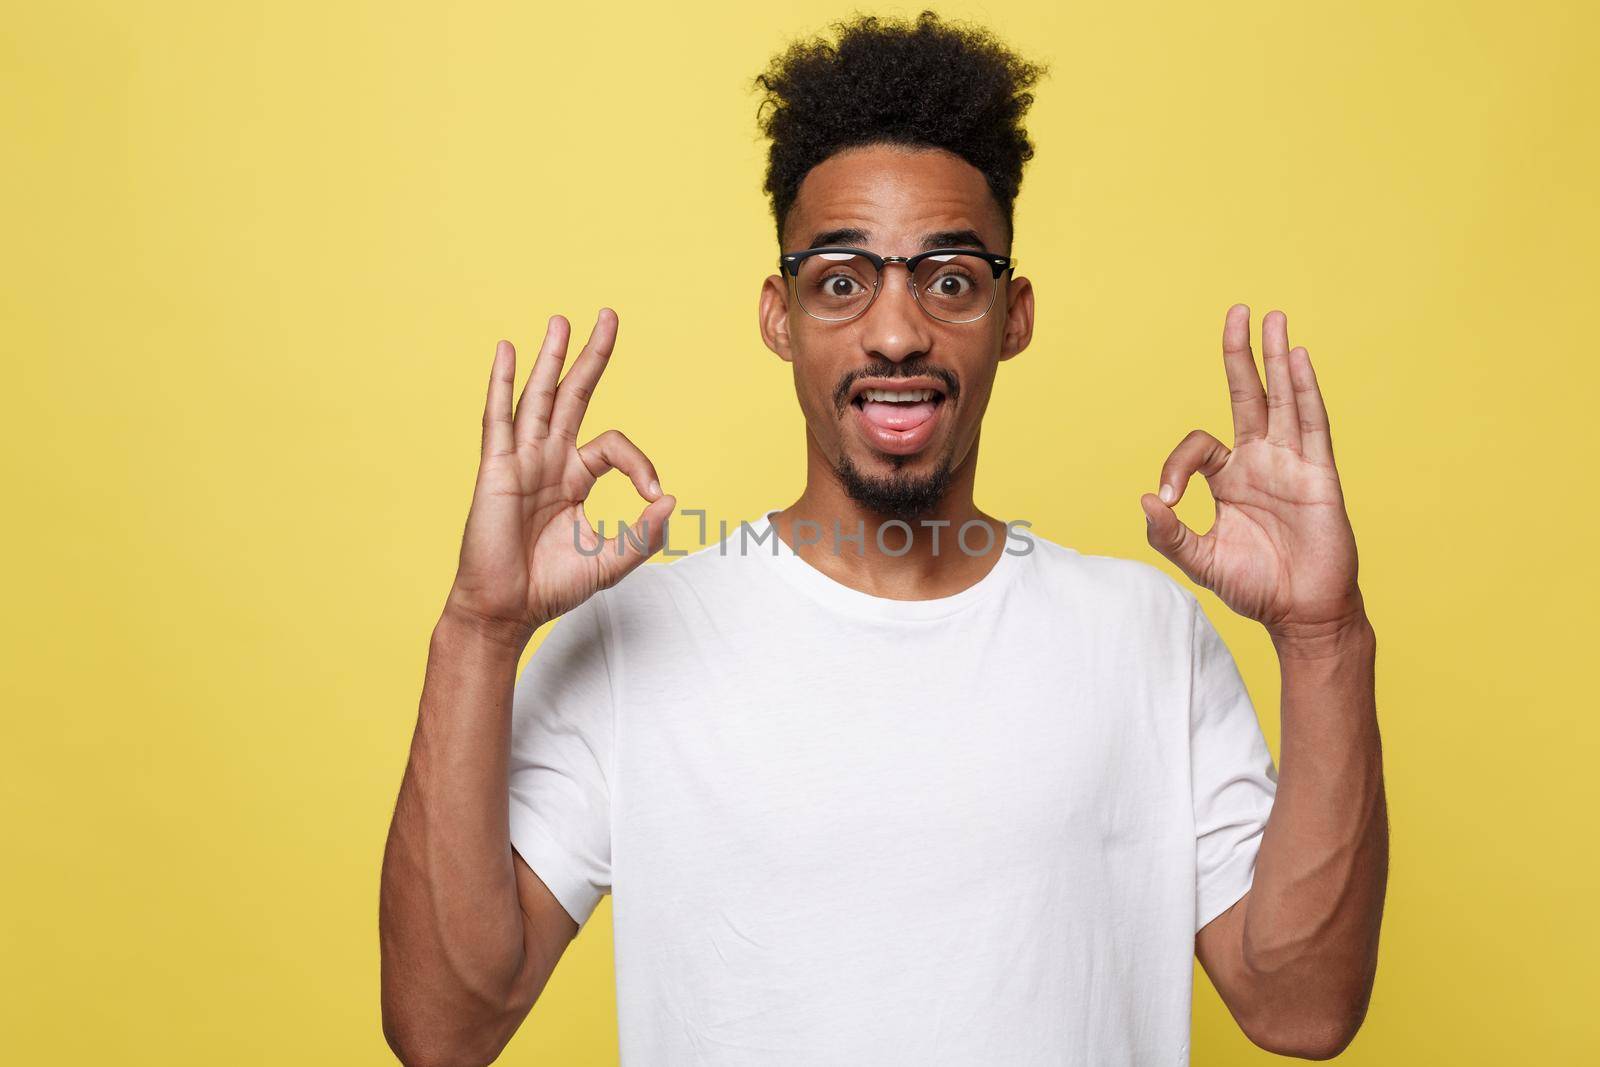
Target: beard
[[899, 495]]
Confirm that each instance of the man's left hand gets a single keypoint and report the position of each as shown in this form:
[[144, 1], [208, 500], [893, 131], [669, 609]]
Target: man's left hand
[[1281, 550]]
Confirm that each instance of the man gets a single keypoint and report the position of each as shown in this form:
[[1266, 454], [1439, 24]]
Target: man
[[864, 794]]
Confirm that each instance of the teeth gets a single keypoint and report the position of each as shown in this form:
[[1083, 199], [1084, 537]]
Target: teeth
[[898, 396]]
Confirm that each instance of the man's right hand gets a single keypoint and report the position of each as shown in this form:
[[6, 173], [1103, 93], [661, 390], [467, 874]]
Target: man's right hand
[[521, 563]]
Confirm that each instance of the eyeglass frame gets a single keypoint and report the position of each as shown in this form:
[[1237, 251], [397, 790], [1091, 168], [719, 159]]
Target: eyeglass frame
[[789, 266]]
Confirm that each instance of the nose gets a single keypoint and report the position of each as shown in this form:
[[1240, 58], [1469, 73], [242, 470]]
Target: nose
[[895, 327]]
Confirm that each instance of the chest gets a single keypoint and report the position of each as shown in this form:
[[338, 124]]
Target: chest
[[847, 759]]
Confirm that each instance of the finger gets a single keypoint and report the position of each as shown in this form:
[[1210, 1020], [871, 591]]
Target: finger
[[539, 392], [1169, 536], [572, 397], [1198, 451], [632, 547], [613, 451], [497, 407], [1316, 439], [1283, 418], [1244, 384]]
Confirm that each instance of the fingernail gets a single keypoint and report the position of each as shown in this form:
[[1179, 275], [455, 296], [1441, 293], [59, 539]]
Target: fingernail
[[1147, 518], [1167, 494], [654, 489]]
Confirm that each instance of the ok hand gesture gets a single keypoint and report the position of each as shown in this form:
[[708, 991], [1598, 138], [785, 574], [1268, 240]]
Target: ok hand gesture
[[521, 563], [1281, 550]]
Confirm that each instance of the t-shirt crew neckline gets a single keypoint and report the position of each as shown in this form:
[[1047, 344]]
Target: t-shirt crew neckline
[[835, 594]]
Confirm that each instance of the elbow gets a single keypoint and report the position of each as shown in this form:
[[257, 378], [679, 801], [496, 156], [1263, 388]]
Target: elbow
[[414, 1050], [431, 1017], [1307, 1035], [1309, 1046], [417, 1043], [1303, 1003]]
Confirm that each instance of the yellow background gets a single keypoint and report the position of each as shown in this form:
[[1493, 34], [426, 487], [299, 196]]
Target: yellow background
[[255, 261]]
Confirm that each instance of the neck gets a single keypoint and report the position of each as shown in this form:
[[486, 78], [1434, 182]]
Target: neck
[[934, 564]]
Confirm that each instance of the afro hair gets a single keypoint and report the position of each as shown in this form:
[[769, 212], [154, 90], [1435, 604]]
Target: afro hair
[[922, 84]]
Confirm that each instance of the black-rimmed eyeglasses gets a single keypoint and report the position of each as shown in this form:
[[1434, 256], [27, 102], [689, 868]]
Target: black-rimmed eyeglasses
[[836, 284]]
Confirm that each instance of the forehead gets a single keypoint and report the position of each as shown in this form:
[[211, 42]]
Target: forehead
[[895, 194]]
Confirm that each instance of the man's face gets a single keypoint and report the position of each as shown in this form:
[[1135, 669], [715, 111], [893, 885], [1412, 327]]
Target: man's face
[[862, 383]]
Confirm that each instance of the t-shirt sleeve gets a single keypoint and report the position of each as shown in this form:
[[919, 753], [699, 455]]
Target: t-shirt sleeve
[[1232, 774], [560, 762]]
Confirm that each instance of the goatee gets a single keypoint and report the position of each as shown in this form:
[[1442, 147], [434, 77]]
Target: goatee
[[895, 496]]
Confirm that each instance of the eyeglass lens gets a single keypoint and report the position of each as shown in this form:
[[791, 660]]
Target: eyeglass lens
[[950, 287]]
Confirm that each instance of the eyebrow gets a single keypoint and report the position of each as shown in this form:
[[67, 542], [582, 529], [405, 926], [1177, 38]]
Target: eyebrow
[[851, 235]]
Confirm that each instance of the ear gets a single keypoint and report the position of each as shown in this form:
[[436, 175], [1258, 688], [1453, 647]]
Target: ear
[[774, 313], [1019, 317]]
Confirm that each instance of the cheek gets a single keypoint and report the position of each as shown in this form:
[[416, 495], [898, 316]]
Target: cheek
[[817, 372], [813, 387], [977, 384]]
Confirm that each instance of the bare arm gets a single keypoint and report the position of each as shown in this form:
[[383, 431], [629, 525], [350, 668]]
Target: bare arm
[[469, 935], [1296, 957]]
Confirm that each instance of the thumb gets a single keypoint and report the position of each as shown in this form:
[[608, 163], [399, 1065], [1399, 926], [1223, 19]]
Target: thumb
[[632, 547], [1169, 536]]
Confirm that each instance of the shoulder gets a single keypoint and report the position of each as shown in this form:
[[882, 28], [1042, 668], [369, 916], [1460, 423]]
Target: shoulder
[[664, 590], [1113, 590]]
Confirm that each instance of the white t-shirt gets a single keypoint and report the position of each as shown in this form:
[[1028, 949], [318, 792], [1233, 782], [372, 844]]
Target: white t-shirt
[[843, 829]]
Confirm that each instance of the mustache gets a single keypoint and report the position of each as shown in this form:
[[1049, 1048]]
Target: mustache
[[907, 369]]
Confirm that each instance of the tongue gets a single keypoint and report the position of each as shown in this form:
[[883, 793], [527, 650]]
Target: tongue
[[897, 416]]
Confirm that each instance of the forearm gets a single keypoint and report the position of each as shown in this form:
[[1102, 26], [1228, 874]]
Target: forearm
[[451, 927], [1309, 937]]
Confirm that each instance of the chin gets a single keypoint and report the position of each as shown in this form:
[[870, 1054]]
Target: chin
[[897, 487]]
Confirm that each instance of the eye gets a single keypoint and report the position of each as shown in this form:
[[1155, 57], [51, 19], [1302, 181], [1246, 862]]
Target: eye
[[841, 286], [950, 282]]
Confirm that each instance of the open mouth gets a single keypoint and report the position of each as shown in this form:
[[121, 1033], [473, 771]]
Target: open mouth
[[898, 417]]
